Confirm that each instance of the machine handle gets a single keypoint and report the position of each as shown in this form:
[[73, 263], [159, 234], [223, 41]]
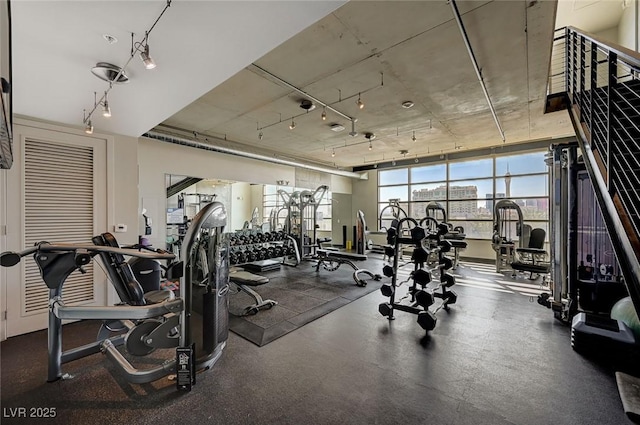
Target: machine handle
[[11, 258]]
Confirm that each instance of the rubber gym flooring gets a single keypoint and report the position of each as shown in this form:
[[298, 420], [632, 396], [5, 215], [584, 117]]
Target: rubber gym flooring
[[495, 358]]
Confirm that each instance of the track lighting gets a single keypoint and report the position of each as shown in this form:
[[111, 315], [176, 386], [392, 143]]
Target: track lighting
[[106, 110], [414, 136], [324, 114], [333, 153], [147, 60], [260, 136], [370, 147], [292, 125], [359, 102], [114, 74]]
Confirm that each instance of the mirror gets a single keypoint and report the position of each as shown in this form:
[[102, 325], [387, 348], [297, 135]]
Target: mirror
[[248, 205]]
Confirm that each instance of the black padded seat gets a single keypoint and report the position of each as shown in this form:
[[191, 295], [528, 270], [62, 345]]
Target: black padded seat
[[244, 281], [246, 278], [341, 255], [457, 244], [540, 268], [122, 277]]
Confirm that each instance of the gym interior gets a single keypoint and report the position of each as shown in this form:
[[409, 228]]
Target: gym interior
[[320, 212]]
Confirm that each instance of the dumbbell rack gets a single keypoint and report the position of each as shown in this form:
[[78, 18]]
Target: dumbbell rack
[[248, 246], [419, 294]]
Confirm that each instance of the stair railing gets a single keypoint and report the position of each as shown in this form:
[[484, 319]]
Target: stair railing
[[602, 84]]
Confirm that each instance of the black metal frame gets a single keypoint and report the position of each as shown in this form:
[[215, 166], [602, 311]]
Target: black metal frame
[[603, 88]]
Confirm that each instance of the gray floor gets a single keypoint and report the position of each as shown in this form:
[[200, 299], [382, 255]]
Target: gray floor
[[496, 358]]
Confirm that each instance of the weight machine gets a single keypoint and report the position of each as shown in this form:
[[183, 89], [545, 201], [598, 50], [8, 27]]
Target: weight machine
[[585, 273], [392, 211], [301, 219], [507, 224], [195, 324]]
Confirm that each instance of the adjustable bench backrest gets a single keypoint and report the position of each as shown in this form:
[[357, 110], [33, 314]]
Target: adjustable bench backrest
[[120, 274]]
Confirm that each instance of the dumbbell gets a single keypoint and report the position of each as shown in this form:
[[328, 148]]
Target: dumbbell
[[427, 320], [233, 258], [251, 255], [392, 233], [421, 277], [242, 257], [389, 251], [446, 263], [424, 298], [387, 289], [419, 255], [418, 234], [447, 280], [270, 252], [388, 271], [445, 245], [385, 309]]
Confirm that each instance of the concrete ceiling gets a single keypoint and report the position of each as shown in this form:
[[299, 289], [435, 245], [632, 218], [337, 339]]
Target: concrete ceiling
[[205, 81], [418, 49], [196, 45]]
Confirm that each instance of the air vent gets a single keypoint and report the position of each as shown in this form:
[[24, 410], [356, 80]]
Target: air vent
[[337, 127]]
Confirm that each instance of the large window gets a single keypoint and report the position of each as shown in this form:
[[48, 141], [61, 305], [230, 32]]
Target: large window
[[469, 189]]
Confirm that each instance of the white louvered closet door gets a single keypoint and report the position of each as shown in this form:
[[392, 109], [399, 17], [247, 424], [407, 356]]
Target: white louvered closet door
[[64, 201]]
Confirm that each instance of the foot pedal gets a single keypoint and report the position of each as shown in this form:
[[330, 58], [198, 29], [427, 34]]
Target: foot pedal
[[186, 367]]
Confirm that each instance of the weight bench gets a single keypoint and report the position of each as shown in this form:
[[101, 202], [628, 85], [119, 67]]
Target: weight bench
[[244, 281], [331, 260]]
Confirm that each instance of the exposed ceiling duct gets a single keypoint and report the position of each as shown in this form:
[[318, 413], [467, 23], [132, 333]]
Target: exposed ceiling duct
[[207, 146]]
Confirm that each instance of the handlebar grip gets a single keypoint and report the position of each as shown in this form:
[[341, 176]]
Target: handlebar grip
[[11, 258]]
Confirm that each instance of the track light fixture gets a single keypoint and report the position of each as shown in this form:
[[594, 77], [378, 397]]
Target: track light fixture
[[114, 74], [106, 110], [414, 136], [147, 60], [324, 114], [260, 136], [292, 125], [333, 153], [359, 102], [370, 147]]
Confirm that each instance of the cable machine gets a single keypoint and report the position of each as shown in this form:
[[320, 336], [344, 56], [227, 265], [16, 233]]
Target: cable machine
[[301, 221], [507, 225], [392, 211]]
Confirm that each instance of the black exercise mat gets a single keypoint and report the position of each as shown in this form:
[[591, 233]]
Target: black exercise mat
[[303, 295]]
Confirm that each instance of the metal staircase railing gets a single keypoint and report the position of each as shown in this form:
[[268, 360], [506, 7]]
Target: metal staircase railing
[[602, 93], [181, 185]]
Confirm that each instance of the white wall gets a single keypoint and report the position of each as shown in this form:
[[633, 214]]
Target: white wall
[[610, 34], [241, 205], [156, 158], [628, 33]]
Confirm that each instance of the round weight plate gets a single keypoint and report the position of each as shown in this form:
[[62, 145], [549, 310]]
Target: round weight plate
[[135, 340]]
